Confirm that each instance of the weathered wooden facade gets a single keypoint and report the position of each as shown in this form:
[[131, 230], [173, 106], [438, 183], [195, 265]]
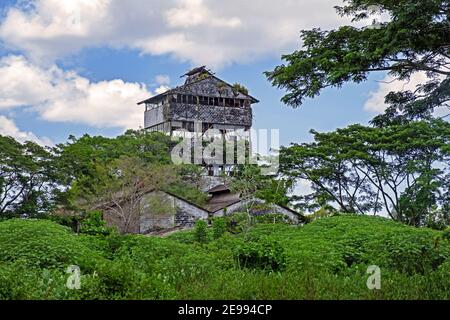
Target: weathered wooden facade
[[203, 98], [202, 103]]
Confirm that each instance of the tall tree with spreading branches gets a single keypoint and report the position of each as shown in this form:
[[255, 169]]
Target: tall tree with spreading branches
[[415, 38]]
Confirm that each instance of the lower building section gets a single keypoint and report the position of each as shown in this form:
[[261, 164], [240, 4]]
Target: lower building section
[[160, 211]]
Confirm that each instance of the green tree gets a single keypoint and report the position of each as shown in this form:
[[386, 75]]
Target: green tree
[[416, 38], [398, 168], [120, 188], [200, 231], [82, 162], [251, 184], [28, 179]]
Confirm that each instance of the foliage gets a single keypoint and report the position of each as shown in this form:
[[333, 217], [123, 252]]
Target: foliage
[[84, 161], [446, 233], [249, 181], [323, 212], [261, 253], [400, 169], [42, 244], [414, 39], [273, 218], [219, 227], [200, 231], [189, 184], [93, 224], [121, 187], [237, 87], [238, 222], [326, 259], [188, 192], [28, 180]]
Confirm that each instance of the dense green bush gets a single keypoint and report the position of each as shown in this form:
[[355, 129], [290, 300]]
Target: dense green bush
[[93, 224], [261, 253], [219, 227], [326, 259], [446, 233], [272, 218], [200, 231], [43, 244]]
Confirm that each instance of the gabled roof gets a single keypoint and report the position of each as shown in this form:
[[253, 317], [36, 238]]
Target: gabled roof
[[159, 97], [217, 206], [195, 71], [219, 188]]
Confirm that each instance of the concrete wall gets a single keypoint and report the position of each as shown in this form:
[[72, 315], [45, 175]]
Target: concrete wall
[[160, 210], [187, 214], [211, 87], [157, 212]]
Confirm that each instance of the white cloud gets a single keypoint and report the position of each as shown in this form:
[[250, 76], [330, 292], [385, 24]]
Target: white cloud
[[190, 13], [209, 32], [375, 102], [162, 79], [161, 89], [9, 128], [22, 83], [64, 96], [302, 188]]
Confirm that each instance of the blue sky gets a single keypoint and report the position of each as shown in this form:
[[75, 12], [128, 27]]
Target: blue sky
[[59, 82]]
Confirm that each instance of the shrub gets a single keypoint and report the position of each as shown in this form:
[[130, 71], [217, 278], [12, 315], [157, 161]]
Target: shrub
[[446, 233], [326, 259], [43, 244], [263, 253], [219, 227], [237, 222], [93, 224], [273, 218], [200, 231], [415, 251], [20, 282]]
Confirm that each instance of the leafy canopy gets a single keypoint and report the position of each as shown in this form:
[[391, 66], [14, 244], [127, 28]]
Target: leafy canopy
[[365, 169], [416, 38]]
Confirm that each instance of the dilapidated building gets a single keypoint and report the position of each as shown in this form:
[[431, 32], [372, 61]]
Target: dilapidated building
[[202, 103], [203, 98], [181, 213], [211, 103]]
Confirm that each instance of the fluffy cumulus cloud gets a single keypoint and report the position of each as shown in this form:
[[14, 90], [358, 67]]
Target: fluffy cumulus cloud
[[209, 32], [64, 96], [376, 104], [8, 128], [162, 79], [376, 101], [215, 33]]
